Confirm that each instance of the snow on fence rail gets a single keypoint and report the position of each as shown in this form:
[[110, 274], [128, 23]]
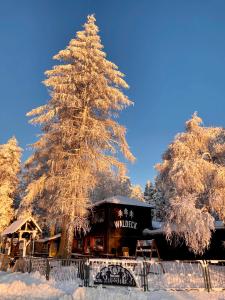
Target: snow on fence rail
[[152, 275], [145, 274], [67, 269], [216, 273], [57, 269], [175, 275]]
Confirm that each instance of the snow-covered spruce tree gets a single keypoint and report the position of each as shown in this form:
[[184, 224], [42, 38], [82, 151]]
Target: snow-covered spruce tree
[[136, 192], [10, 154], [80, 132], [159, 204], [191, 178], [109, 184], [149, 191]]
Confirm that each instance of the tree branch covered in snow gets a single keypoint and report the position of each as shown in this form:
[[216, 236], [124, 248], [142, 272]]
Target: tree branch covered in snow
[[137, 193], [191, 179], [110, 184], [10, 154], [80, 133]]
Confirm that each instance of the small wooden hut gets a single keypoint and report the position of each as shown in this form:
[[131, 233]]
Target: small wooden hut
[[18, 238]]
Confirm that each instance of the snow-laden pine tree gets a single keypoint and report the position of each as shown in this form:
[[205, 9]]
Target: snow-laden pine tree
[[10, 155], [136, 192], [110, 184], [159, 203], [191, 178], [80, 131], [153, 196], [149, 191]]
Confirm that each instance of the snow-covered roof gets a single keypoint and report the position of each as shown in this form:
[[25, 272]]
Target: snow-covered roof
[[159, 226], [50, 238], [122, 200], [147, 231], [17, 225]]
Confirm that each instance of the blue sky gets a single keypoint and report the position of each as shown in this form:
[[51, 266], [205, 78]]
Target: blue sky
[[172, 52]]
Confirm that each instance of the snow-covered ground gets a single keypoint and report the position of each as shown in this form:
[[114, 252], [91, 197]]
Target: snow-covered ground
[[33, 286]]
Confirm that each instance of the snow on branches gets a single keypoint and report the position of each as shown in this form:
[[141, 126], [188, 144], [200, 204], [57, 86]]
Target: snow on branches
[[191, 178], [10, 154], [136, 192], [80, 133], [110, 184]]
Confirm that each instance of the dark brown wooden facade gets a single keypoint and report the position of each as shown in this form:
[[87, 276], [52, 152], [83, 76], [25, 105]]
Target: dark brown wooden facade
[[116, 225], [172, 251]]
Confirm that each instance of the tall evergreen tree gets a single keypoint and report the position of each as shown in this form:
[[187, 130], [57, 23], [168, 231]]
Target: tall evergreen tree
[[191, 179], [80, 132], [136, 192], [153, 196], [149, 191], [10, 154]]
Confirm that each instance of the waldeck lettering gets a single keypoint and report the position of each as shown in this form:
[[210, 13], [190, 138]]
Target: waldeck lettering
[[125, 223]]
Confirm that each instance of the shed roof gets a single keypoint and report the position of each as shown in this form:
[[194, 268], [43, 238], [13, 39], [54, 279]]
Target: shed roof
[[18, 224], [123, 200], [49, 238]]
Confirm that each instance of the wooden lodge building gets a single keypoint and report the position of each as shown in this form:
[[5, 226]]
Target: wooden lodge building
[[116, 225], [119, 225]]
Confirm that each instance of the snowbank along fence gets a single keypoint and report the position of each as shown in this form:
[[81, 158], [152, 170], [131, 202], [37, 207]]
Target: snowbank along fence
[[57, 269], [144, 274]]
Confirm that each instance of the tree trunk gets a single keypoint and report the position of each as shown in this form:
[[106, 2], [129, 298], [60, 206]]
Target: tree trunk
[[67, 236]]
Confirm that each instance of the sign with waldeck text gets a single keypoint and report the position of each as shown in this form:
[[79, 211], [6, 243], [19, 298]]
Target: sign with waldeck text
[[125, 219]]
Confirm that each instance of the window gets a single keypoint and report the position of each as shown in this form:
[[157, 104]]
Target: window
[[99, 244], [98, 216], [80, 244]]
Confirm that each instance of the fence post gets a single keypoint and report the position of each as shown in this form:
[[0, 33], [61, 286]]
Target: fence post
[[30, 266], [144, 276], [206, 277], [86, 273], [47, 275], [80, 269]]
